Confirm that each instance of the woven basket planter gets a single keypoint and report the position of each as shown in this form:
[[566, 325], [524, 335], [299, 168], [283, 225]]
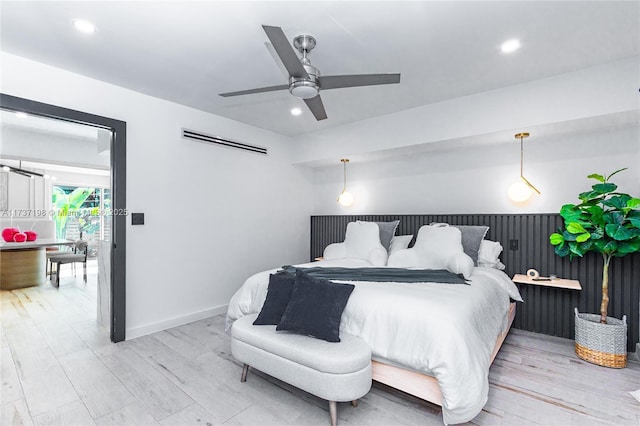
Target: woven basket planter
[[601, 344]]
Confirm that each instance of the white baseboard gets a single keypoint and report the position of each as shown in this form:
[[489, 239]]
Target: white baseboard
[[132, 333]]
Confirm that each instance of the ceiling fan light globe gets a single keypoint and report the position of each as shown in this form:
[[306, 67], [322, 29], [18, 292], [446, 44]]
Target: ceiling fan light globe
[[302, 90]]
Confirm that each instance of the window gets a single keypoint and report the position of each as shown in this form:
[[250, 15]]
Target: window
[[82, 213]]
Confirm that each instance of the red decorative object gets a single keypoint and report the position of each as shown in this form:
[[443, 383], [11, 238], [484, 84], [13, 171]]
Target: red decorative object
[[20, 237], [31, 235], [8, 233]]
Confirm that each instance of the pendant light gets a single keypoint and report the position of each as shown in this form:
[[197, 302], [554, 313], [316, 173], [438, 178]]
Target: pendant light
[[345, 198], [19, 170], [521, 191]]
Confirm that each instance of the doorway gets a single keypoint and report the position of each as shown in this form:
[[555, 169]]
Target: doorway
[[117, 193]]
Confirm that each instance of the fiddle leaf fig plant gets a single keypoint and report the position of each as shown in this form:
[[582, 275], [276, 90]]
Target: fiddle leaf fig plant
[[606, 221]]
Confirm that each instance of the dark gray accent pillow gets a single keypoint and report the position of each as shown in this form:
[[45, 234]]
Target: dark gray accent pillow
[[472, 236], [387, 231], [278, 295], [315, 308]]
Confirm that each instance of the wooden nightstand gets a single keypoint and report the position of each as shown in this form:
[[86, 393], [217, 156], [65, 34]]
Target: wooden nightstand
[[556, 282]]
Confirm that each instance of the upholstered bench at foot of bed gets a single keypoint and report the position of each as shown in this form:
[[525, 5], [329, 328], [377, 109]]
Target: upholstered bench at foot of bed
[[337, 372]]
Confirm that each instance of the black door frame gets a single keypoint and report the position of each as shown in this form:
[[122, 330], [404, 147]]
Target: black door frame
[[118, 193]]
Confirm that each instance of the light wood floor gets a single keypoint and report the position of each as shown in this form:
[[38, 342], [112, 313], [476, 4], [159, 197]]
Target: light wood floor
[[58, 367]]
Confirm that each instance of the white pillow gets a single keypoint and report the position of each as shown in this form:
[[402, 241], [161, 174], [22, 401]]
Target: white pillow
[[435, 248], [489, 254], [460, 263], [361, 241], [400, 242]]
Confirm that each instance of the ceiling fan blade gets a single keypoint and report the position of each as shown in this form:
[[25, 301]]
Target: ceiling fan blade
[[259, 90], [316, 107], [341, 81], [285, 51]]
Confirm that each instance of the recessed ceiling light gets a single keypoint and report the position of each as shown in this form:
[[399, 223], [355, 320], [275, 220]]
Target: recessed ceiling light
[[510, 46], [21, 114], [296, 111], [84, 26]]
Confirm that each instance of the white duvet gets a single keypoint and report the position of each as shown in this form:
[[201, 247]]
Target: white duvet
[[447, 330]]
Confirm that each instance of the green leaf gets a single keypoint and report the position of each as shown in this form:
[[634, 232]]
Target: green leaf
[[628, 247], [587, 245], [606, 246], [78, 196], [619, 232], [589, 195], [632, 203], [576, 249], [613, 217], [570, 213], [562, 250], [635, 222], [556, 239], [604, 188], [597, 233], [568, 236], [596, 177], [617, 201], [57, 194], [583, 237], [596, 213], [575, 228]]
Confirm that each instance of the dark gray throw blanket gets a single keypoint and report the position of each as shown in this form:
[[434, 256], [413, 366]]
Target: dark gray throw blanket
[[398, 275]]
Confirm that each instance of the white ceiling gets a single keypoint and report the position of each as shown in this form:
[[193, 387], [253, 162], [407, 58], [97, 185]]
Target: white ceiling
[[188, 52]]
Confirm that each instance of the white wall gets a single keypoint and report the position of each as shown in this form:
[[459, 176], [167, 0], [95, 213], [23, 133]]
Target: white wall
[[25, 194], [20, 192], [475, 179], [213, 216]]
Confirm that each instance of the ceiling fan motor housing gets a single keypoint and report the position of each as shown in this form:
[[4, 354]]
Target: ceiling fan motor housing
[[305, 88]]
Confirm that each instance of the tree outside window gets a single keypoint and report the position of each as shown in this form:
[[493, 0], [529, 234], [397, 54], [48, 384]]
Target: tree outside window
[[79, 213]]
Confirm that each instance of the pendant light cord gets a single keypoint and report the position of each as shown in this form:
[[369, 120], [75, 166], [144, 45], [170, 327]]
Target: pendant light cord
[[521, 158], [344, 187]]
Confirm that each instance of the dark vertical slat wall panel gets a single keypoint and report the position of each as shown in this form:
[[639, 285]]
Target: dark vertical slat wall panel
[[546, 310]]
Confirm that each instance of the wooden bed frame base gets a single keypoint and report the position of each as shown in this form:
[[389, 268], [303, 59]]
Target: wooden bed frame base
[[422, 385]]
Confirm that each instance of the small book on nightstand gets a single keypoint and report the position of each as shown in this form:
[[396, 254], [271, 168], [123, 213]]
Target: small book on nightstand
[[547, 282]]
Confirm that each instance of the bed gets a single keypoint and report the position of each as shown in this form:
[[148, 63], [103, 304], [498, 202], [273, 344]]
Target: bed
[[400, 321]]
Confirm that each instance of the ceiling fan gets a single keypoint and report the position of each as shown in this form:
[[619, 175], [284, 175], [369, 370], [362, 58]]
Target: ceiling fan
[[305, 81]]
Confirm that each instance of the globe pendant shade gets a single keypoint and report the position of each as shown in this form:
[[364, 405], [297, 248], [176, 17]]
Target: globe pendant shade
[[519, 192], [346, 199]]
